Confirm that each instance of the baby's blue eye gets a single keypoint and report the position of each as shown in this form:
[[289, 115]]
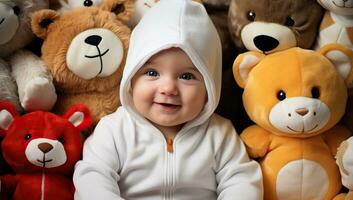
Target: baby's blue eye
[[152, 72], [187, 76]]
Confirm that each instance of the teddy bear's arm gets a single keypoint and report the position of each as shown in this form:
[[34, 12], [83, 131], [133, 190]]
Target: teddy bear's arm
[[257, 141], [7, 185], [335, 136], [8, 90], [35, 85]]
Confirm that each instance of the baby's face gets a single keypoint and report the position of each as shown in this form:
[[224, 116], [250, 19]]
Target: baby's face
[[168, 90]]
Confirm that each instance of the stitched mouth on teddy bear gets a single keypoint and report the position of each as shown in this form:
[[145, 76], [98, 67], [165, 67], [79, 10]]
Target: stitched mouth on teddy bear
[[150, 6], [342, 6], [100, 58], [303, 130], [43, 161]]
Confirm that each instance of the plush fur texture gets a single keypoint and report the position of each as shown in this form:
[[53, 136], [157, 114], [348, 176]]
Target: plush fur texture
[[345, 163], [296, 137], [265, 26], [26, 68], [337, 24], [337, 27], [289, 22], [99, 93], [42, 149]]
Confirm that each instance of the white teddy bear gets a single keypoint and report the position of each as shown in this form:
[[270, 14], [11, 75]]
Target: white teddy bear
[[344, 160], [337, 24], [140, 7], [34, 84]]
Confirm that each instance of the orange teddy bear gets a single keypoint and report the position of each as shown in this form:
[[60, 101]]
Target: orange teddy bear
[[296, 97]]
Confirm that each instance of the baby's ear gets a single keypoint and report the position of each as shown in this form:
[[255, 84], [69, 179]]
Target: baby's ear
[[243, 64], [79, 116], [342, 58], [122, 8], [41, 20]]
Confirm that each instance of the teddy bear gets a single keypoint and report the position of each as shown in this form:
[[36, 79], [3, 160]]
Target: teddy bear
[[344, 160], [23, 75], [85, 51], [42, 148], [139, 7], [296, 98], [268, 26], [70, 4], [337, 24]]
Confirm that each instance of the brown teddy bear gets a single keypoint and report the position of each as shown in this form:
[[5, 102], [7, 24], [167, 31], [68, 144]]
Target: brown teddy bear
[[85, 51], [296, 98], [267, 26]]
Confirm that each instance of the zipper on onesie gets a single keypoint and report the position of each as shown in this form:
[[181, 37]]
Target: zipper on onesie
[[170, 145], [169, 171]]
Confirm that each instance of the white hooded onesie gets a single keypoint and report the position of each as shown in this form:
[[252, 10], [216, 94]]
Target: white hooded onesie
[[126, 157]]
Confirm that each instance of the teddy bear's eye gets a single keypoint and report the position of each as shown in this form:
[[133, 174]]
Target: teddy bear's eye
[[251, 15], [87, 3], [28, 136], [315, 92], [281, 95], [16, 10], [289, 21], [61, 140]]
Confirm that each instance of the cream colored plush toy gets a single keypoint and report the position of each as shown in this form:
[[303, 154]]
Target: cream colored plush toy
[[140, 7], [337, 24], [34, 84], [345, 162]]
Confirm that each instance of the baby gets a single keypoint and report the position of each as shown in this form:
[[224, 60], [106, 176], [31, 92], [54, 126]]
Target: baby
[[165, 142]]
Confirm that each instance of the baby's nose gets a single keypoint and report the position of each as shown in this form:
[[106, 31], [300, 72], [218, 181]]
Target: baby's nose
[[169, 87]]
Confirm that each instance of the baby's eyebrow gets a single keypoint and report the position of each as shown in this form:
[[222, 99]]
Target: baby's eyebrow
[[192, 68]]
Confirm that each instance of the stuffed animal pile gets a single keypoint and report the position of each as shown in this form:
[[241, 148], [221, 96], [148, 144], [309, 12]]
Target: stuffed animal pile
[[42, 148], [295, 97], [87, 61], [296, 133]]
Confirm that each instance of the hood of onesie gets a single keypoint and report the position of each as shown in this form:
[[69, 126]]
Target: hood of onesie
[[183, 24]]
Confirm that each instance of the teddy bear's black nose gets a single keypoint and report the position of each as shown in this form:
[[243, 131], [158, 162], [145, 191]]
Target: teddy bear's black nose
[[93, 40], [265, 43], [45, 147]]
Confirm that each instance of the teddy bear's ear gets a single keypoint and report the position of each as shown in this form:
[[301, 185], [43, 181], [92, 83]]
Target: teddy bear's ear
[[8, 113], [41, 21], [122, 8], [342, 58], [79, 116], [243, 64]]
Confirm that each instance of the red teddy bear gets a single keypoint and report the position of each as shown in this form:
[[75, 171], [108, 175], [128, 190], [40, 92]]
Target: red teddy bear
[[42, 148]]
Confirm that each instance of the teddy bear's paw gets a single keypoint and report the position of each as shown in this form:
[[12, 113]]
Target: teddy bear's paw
[[39, 94]]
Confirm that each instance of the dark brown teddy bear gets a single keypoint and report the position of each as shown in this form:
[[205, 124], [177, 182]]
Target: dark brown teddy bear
[[274, 25]]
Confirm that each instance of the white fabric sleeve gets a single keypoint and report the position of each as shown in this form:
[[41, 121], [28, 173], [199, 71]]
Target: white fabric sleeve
[[96, 175], [237, 176]]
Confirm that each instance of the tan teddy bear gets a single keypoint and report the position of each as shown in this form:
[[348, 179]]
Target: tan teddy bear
[[296, 97], [85, 51]]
